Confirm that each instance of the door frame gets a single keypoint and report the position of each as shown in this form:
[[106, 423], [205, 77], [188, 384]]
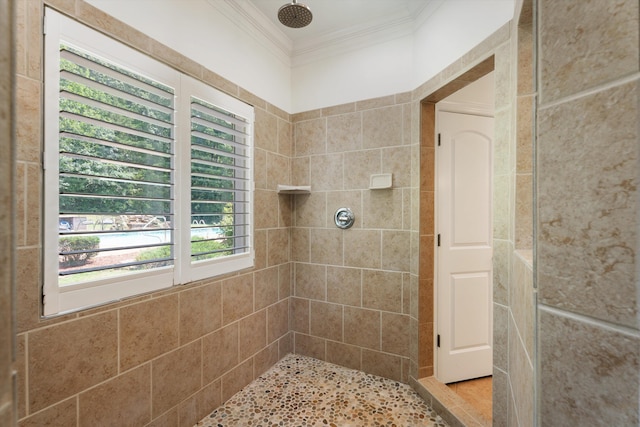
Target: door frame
[[426, 332]]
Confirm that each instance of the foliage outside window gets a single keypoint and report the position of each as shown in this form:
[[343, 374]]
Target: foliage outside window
[[147, 173]]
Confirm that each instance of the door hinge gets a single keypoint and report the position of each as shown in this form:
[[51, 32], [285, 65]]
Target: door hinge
[[438, 340], [438, 239], [438, 140]]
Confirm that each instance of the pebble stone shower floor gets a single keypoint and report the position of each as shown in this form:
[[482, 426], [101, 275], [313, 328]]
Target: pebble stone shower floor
[[302, 391]]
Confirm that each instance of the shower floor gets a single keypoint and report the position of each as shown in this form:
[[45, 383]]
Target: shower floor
[[302, 391]]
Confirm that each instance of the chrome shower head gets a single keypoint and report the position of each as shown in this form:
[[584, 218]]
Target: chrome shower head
[[295, 15]]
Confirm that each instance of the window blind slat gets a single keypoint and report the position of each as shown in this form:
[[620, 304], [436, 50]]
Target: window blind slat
[[85, 101], [67, 54], [113, 127]]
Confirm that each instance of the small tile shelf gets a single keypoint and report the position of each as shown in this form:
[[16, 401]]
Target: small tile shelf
[[294, 189]]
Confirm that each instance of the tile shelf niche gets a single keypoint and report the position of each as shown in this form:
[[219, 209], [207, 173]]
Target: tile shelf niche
[[294, 189]]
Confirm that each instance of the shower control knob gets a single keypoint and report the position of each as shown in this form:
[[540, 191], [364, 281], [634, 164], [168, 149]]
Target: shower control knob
[[344, 218]]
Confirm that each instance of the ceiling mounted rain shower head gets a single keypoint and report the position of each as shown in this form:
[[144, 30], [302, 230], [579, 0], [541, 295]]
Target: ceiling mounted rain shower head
[[295, 15]]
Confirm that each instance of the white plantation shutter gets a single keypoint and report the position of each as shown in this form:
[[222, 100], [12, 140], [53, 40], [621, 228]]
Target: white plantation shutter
[[220, 175], [132, 206]]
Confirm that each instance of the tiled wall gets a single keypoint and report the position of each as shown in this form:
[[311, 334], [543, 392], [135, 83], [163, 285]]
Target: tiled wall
[[514, 293], [7, 401], [587, 226], [163, 359], [351, 301]]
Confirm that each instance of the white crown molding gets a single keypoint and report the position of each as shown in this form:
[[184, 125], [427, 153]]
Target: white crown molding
[[426, 12], [253, 22]]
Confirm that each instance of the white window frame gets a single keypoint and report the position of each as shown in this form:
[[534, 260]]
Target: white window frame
[[62, 299]]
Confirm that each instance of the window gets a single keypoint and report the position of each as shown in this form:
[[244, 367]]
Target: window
[[148, 178]]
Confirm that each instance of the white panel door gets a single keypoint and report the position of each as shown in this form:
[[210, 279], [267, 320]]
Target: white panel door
[[464, 264]]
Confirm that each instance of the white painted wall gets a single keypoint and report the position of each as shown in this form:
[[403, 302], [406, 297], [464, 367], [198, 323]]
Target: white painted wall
[[370, 72], [201, 32], [453, 30]]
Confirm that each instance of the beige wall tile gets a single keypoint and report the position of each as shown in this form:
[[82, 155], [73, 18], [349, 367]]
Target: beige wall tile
[[266, 287], [344, 355], [284, 279], [67, 358], [502, 150], [28, 131], [310, 137], [300, 171], [326, 172], [524, 211], [62, 414], [234, 380], [325, 320], [299, 319], [382, 364], [265, 202], [285, 345], [344, 285], [362, 327], [277, 320], [266, 130], [219, 82], [220, 350], [19, 366], [28, 302], [362, 248], [277, 170], [326, 246], [199, 405], [339, 109], [252, 334], [168, 419], [585, 362], [524, 134], [382, 127], [300, 245], [395, 334], [148, 329], [265, 359], [587, 227], [396, 161], [344, 133], [260, 168], [237, 298], [126, 399], [369, 104], [19, 203], [285, 138], [200, 311], [359, 166], [310, 346], [396, 250], [500, 337], [382, 290], [310, 281], [33, 200], [600, 44], [176, 375], [260, 243], [311, 210], [278, 246]]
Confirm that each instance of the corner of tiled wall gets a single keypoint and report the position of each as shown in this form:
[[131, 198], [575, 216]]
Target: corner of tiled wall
[[352, 288]]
